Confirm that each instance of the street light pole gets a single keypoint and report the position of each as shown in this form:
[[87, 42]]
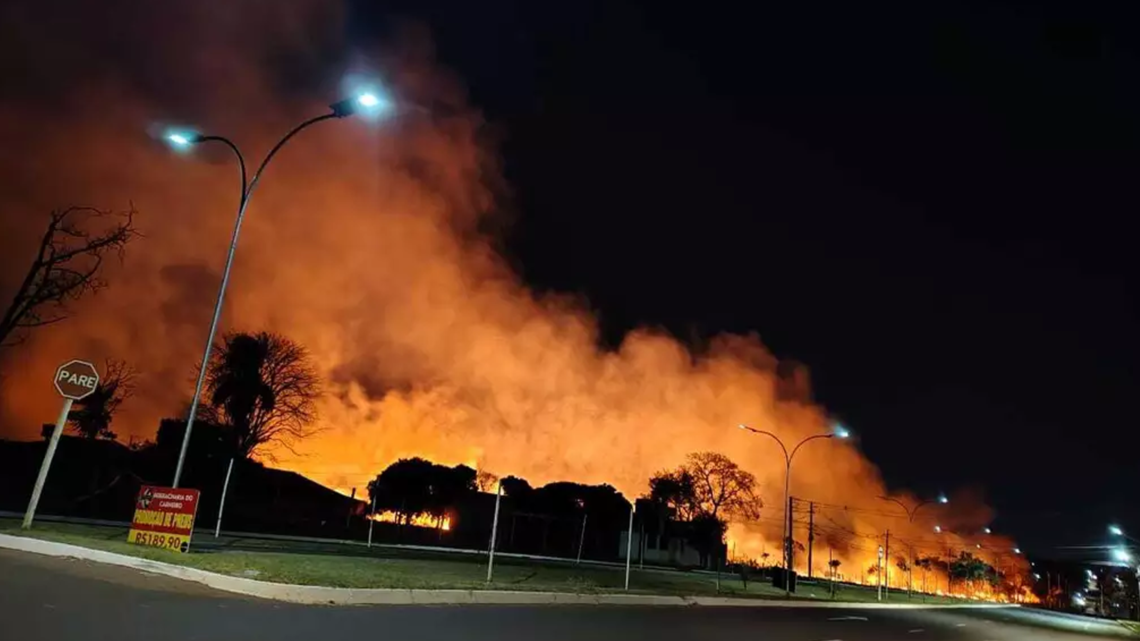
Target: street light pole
[[788, 458], [340, 109], [910, 514]]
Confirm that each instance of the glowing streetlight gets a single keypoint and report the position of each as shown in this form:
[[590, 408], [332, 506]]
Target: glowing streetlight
[[938, 529], [1017, 550], [180, 139], [942, 499], [838, 431], [987, 530], [1115, 530], [361, 103], [1121, 555]]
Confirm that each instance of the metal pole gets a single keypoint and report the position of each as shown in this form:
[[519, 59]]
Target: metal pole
[[629, 543], [222, 503], [582, 538], [246, 194], [494, 534], [46, 465], [887, 555], [879, 573], [788, 529], [371, 519]]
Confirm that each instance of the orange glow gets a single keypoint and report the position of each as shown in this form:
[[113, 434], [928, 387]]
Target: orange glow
[[419, 520], [367, 242]]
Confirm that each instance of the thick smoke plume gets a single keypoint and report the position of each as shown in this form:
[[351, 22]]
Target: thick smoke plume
[[365, 244]]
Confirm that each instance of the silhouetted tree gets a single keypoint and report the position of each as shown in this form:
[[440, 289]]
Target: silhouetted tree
[[719, 484], [93, 414], [486, 481], [67, 266], [263, 388], [673, 492], [516, 487], [417, 486], [706, 535], [707, 483]]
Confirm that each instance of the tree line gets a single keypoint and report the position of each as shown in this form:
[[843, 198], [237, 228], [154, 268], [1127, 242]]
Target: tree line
[[693, 502]]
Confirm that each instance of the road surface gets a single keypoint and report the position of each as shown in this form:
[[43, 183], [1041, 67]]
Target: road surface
[[43, 598]]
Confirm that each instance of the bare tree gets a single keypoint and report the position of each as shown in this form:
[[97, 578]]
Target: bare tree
[[68, 265], [264, 390], [719, 484], [486, 481], [93, 414]]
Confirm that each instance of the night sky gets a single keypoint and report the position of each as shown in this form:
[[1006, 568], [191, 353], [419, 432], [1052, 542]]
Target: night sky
[[925, 203]]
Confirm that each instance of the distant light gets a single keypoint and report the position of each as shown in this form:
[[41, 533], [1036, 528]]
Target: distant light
[[1017, 550], [1037, 576], [942, 499], [841, 432], [938, 529], [368, 100], [1121, 555], [1078, 600], [1115, 530], [180, 138], [742, 426], [978, 545], [987, 530]]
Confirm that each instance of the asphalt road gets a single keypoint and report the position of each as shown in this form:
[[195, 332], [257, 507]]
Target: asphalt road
[[64, 599]]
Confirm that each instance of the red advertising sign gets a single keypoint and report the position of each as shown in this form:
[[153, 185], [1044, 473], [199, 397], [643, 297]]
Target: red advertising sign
[[164, 518]]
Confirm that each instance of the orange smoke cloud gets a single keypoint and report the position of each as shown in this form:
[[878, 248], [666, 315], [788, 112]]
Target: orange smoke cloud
[[363, 244]]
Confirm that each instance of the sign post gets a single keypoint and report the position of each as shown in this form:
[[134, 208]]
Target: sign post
[[74, 380], [164, 518], [629, 542], [494, 533]]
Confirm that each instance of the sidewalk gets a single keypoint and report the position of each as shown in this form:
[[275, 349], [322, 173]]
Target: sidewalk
[[312, 594]]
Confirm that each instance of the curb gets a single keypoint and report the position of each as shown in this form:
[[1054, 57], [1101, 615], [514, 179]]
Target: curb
[[314, 595]]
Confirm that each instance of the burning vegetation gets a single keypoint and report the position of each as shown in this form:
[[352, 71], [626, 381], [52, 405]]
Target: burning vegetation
[[367, 245]]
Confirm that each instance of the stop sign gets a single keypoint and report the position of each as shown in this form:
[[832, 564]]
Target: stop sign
[[76, 379]]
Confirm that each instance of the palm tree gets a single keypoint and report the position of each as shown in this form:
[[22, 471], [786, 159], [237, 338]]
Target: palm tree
[[263, 389]]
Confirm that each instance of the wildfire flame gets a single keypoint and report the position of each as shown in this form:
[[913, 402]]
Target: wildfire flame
[[365, 243], [421, 520]]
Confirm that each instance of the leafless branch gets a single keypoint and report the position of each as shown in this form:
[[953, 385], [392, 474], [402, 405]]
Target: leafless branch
[[67, 266]]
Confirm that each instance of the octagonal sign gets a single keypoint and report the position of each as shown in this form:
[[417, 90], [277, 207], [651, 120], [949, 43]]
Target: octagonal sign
[[76, 379]]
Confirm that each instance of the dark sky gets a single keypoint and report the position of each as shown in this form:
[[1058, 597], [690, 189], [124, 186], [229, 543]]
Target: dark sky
[[927, 203]]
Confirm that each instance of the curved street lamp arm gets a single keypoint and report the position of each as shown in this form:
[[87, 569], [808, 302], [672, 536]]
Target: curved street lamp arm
[[240, 158], [810, 438], [909, 512], [787, 457], [281, 143]]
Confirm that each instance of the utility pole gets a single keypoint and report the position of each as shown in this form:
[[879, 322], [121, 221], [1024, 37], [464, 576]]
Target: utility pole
[[789, 548], [887, 554], [811, 533]]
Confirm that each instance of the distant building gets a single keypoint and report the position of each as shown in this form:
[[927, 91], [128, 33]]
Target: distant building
[[660, 550]]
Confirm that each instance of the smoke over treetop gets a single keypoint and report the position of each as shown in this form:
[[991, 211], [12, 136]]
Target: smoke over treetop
[[362, 244]]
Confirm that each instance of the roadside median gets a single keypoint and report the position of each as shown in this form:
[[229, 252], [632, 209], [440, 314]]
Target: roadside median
[[378, 580]]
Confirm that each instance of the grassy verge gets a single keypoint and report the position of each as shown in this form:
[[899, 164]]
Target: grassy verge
[[360, 567]]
